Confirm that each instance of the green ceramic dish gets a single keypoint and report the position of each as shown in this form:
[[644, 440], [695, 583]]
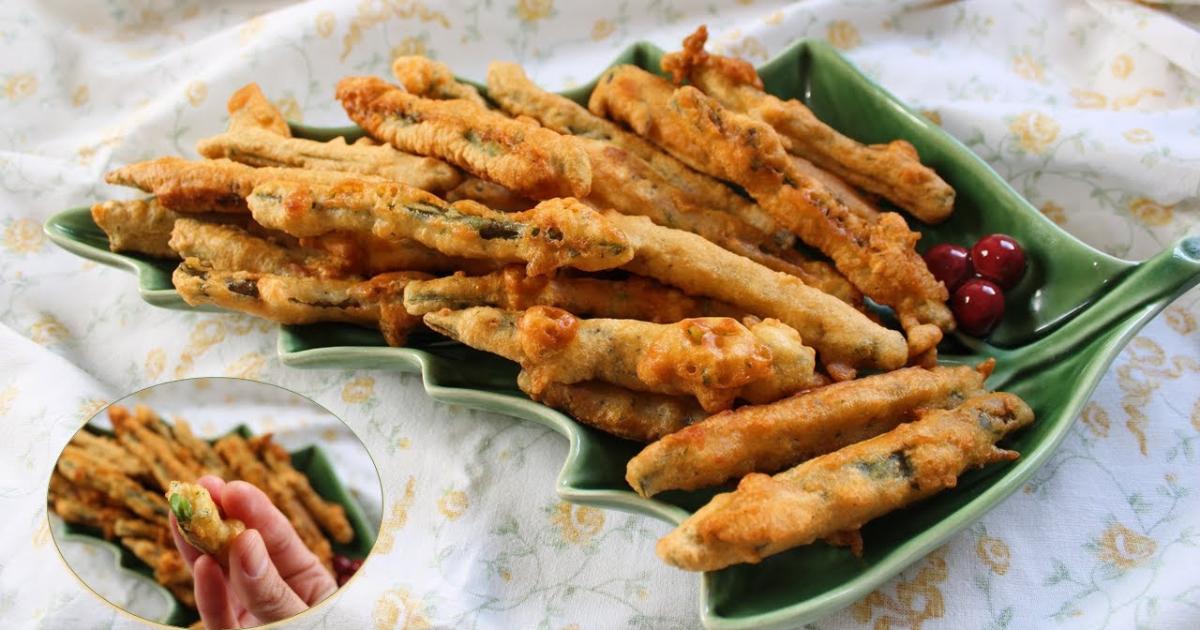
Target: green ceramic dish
[[311, 461], [1067, 320]]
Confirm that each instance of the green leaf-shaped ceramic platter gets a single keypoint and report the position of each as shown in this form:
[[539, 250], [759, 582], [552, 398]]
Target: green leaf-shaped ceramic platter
[[311, 461], [1066, 322]]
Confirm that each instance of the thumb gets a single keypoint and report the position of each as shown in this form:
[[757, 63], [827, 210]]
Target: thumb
[[257, 582]]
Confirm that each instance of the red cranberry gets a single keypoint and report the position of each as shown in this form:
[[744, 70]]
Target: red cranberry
[[999, 258], [342, 564], [978, 306], [949, 263], [342, 578], [355, 565]]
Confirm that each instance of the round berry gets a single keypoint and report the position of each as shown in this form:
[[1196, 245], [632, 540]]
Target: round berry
[[342, 564], [978, 306], [355, 565], [342, 578], [949, 263], [999, 258]]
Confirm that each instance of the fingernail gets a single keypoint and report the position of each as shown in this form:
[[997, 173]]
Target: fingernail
[[254, 561]]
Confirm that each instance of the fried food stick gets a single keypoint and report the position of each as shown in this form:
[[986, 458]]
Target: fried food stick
[[432, 79], [770, 438], [140, 225], [231, 248], [249, 109], [330, 516], [364, 254], [514, 290], [714, 359], [138, 528], [843, 337], [169, 567], [72, 509], [149, 419], [374, 303], [241, 458], [200, 521], [202, 452], [519, 96], [637, 416], [878, 257], [555, 233], [107, 449], [527, 159], [891, 170], [835, 494], [490, 194], [80, 468], [211, 185], [151, 448]]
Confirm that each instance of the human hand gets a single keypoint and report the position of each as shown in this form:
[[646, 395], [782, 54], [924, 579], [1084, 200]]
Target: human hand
[[272, 574]]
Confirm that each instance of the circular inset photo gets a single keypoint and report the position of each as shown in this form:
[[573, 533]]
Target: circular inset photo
[[222, 501]]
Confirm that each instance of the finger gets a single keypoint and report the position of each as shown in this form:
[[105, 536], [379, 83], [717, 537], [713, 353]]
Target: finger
[[251, 506], [189, 553], [257, 582], [212, 595], [215, 486]]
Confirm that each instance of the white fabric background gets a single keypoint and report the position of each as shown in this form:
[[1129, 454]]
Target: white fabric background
[[1088, 107], [214, 407]]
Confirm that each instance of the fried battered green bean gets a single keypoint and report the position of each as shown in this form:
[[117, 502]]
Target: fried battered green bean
[[519, 96], [102, 517], [80, 468], [637, 416], [169, 567], [107, 449], [843, 337], [230, 248], [201, 450], [432, 79], [330, 516], [364, 254], [138, 528], [891, 170], [514, 290], [490, 194], [527, 159], [770, 438], [832, 496], [249, 109], [140, 225], [200, 521], [555, 233], [715, 359]]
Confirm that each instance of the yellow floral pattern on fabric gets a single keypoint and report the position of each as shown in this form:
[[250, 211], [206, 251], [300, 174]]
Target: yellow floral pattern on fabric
[[916, 600]]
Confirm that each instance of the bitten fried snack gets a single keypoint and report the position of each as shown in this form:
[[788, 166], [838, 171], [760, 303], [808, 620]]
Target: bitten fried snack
[[770, 438], [514, 290], [715, 359], [637, 416], [525, 158], [832, 496], [372, 303], [200, 521], [555, 233], [891, 170], [843, 337]]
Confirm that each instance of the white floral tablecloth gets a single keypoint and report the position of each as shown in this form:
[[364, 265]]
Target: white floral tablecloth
[[1088, 107]]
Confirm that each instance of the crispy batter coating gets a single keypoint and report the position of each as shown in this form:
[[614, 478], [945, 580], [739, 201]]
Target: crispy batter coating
[[770, 438], [250, 109], [892, 170], [140, 225], [529, 160], [208, 461], [330, 516], [135, 434], [211, 185], [107, 449], [364, 254], [81, 468], [373, 303], [715, 359], [879, 257], [519, 96], [556, 233], [841, 335], [637, 416], [169, 567], [855, 201], [490, 194], [256, 147], [514, 290], [231, 248], [432, 79], [836, 494], [200, 521], [74, 509], [139, 528], [240, 457]]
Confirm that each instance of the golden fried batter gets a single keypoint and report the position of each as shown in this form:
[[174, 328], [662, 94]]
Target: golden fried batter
[[425, 77], [364, 254], [770, 438], [330, 516], [835, 494], [108, 450], [200, 521], [637, 416], [529, 160], [556, 233], [841, 335], [519, 96], [140, 225], [230, 248], [715, 359], [250, 109], [291, 300], [208, 460], [212, 185], [490, 194], [514, 290], [81, 468], [892, 170]]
